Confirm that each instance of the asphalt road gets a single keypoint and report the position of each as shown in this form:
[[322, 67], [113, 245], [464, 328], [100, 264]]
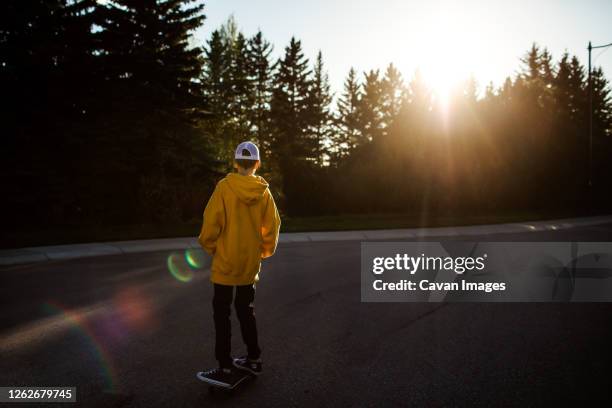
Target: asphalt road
[[126, 332]]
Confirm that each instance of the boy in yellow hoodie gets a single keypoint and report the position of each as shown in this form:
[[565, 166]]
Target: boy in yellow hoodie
[[240, 228]]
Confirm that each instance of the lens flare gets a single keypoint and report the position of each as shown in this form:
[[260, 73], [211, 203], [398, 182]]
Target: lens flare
[[82, 326], [195, 258], [179, 267], [134, 309]]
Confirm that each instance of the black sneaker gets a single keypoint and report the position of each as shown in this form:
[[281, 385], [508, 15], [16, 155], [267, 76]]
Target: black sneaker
[[222, 377], [252, 366]]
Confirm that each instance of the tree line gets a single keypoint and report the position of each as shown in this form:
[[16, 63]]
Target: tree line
[[114, 113]]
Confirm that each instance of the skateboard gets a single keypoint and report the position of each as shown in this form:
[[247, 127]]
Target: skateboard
[[245, 377]]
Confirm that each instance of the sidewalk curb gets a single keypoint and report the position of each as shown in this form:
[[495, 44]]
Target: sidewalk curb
[[63, 252]]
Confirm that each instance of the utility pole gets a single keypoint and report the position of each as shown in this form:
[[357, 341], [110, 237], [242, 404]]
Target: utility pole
[[590, 124], [590, 48]]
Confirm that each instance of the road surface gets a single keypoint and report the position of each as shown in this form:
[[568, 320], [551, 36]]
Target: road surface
[[126, 332]]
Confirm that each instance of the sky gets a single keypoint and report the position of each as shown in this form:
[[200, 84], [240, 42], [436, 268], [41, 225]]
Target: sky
[[446, 40]]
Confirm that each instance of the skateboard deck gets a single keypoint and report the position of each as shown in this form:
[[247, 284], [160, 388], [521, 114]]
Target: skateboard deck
[[245, 376]]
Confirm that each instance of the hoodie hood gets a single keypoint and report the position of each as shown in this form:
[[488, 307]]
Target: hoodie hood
[[248, 189]]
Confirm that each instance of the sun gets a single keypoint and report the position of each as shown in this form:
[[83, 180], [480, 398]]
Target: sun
[[444, 58], [442, 84]]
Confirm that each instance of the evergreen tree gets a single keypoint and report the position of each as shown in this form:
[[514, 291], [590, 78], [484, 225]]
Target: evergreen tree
[[47, 77], [215, 72], [241, 99], [537, 76], [322, 117], [547, 78], [217, 91], [371, 106], [417, 106], [531, 61], [419, 96], [348, 131], [152, 74], [229, 31], [602, 132], [577, 88], [261, 73], [506, 90], [392, 89], [561, 89], [602, 104], [294, 148], [291, 105], [546, 68], [230, 55], [470, 90], [148, 43]]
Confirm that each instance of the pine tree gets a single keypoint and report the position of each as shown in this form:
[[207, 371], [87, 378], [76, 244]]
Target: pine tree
[[45, 47], [229, 31], [568, 147], [419, 96], [393, 93], [348, 134], [561, 88], [234, 122], [242, 93], [293, 148], [531, 61], [153, 74], [261, 74], [602, 131], [291, 106], [322, 118], [217, 92], [602, 104], [546, 68], [506, 90], [371, 106], [149, 43], [577, 93], [470, 90], [215, 72], [547, 77], [47, 77], [537, 76]]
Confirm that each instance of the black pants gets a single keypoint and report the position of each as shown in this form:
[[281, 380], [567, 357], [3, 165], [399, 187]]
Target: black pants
[[243, 303]]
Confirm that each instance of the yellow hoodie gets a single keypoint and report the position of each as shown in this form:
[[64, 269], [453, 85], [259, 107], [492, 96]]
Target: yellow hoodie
[[240, 227]]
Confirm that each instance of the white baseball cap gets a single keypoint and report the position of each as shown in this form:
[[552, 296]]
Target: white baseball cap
[[247, 151]]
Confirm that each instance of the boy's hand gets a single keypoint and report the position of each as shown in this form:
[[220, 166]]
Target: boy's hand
[[270, 227]]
